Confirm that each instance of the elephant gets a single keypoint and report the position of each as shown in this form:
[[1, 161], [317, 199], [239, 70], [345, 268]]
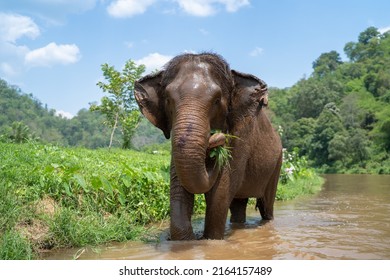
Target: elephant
[[192, 96]]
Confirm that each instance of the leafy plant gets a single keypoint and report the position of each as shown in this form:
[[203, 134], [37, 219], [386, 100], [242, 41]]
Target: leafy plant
[[13, 246], [120, 107], [294, 167], [222, 154]]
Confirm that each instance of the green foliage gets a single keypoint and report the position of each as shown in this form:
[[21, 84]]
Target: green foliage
[[301, 186], [13, 246], [100, 195], [296, 177], [339, 117], [98, 180], [24, 118], [9, 208], [147, 135], [72, 229], [222, 154], [327, 63], [294, 167], [309, 97], [17, 133], [119, 107]]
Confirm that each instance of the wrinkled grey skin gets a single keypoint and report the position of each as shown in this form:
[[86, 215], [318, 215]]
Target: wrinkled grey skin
[[194, 94]]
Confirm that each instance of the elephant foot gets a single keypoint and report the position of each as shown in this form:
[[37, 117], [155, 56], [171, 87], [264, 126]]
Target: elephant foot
[[266, 211], [213, 236], [177, 235], [238, 210], [237, 220]]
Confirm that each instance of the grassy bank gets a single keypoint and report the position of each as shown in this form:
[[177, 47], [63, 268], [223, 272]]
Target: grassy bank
[[54, 197]]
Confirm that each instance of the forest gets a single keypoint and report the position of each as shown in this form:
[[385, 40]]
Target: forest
[[338, 117], [24, 118]]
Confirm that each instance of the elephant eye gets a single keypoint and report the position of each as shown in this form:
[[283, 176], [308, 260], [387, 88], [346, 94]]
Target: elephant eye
[[217, 101]]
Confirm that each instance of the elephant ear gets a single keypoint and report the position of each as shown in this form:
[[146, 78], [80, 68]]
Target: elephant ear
[[250, 91], [147, 91]]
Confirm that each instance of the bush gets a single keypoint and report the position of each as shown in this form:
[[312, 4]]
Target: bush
[[296, 177]]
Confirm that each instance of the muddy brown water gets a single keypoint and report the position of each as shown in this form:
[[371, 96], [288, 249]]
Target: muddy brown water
[[348, 219]]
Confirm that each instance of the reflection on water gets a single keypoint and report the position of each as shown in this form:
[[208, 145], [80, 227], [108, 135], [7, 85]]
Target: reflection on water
[[348, 219]]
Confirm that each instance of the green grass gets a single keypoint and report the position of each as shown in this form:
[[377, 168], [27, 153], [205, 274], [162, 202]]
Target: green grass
[[72, 229], [54, 197], [299, 187], [98, 195], [14, 246]]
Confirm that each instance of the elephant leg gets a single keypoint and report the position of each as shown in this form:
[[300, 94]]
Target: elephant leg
[[217, 207], [266, 210], [266, 203], [182, 204], [238, 210]]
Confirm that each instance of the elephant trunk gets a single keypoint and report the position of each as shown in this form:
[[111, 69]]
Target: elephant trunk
[[190, 140]]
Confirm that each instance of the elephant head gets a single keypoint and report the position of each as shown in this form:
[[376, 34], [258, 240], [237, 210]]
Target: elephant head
[[191, 96]]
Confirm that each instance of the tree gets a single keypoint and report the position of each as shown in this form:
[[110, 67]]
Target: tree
[[367, 35], [366, 47], [19, 133], [310, 96], [338, 148], [119, 107], [326, 63], [359, 144], [299, 135], [328, 125]]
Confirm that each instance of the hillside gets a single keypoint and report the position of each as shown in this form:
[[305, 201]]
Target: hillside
[[23, 117], [339, 117]]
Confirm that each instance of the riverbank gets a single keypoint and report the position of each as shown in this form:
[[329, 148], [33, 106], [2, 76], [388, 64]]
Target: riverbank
[[54, 197], [331, 225]]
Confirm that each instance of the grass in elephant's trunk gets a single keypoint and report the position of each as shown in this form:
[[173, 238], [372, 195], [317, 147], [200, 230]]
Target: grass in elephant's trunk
[[220, 151]]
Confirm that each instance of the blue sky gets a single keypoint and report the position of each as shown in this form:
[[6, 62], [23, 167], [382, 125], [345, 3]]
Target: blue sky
[[54, 48]]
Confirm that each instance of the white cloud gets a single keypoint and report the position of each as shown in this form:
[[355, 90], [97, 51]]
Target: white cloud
[[233, 5], [153, 61], [7, 69], [14, 57], [205, 8], [53, 54], [63, 114], [201, 8], [128, 8], [13, 27], [384, 29], [256, 51]]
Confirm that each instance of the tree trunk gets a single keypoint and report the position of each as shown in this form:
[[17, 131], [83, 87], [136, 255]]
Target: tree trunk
[[113, 129]]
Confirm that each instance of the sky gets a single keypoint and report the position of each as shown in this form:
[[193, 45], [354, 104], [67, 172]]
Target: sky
[[54, 49]]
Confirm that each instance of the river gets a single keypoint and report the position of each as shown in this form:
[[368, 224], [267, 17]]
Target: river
[[348, 219]]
